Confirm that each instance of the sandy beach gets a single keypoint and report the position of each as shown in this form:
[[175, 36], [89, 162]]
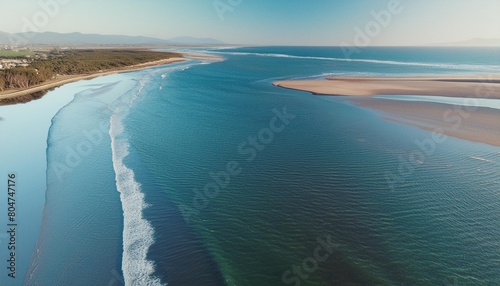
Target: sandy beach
[[481, 86], [13, 96], [61, 80], [206, 57]]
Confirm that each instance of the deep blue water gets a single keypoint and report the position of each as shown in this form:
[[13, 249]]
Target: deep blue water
[[199, 177]]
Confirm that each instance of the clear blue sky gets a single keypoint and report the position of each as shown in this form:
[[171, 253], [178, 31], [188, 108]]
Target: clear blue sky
[[264, 22]]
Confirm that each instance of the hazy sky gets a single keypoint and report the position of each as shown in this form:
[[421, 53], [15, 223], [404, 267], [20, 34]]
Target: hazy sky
[[263, 22]]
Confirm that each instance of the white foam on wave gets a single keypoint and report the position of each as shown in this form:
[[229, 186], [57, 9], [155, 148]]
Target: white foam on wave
[[468, 67], [482, 159], [138, 234], [332, 74]]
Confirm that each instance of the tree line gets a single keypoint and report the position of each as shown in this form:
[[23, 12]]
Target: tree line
[[75, 63]]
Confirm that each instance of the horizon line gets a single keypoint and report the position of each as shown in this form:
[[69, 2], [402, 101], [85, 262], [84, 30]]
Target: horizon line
[[444, 45]]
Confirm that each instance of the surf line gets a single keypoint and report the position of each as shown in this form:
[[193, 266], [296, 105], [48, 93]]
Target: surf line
[[138, 234]]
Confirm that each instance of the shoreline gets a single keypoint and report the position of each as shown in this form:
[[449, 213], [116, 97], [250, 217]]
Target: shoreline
[[29, 144], [10, 97], [18, 94], [480, 86]]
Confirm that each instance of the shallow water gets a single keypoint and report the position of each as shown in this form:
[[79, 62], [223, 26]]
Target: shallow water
[[327, 172], [473, 102]]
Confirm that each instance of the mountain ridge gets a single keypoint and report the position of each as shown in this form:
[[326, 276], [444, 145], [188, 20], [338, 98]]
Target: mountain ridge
[[76, 38]]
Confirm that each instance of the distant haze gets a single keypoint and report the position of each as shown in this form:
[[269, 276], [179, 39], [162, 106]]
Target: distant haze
[[58, 39], [473, 43], [265, 22]]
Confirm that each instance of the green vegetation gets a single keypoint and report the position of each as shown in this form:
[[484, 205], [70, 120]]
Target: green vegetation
[[13, 55], [75, 63]]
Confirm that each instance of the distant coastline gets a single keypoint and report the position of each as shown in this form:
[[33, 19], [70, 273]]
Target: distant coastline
[[25, 95], [15, 96]]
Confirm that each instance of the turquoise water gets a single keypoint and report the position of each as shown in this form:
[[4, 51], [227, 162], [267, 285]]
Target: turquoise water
[[82, 223], [472, 102], [23, 146], [206, 174]]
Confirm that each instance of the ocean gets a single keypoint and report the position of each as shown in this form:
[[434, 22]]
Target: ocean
[[203, 173]]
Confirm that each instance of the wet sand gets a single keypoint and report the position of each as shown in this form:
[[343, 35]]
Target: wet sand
[[479, 124]]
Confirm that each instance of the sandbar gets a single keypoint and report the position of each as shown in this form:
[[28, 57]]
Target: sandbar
[[480, 86], [478, 124]]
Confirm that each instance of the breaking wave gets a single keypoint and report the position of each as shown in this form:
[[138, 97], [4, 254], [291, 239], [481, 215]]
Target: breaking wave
[[138, 234]]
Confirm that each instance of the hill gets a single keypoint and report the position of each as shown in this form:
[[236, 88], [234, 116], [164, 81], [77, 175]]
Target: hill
[[61, 39]]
